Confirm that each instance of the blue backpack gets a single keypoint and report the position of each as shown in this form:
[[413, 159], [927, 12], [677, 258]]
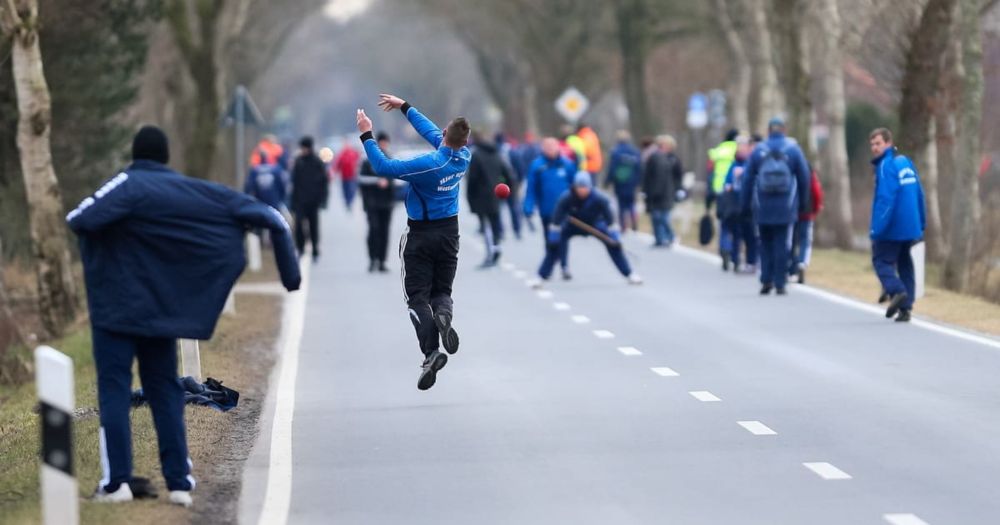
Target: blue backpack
[[775, 175]]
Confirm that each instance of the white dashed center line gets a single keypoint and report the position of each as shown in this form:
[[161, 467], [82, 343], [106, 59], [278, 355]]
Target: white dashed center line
[[544, 294], [508, 266], [704, 396], [664, 371], [827, 471], [581, 319], [904, 519], [562, 307], [629, 350], [604, 334], [520, 274], [757, 428]]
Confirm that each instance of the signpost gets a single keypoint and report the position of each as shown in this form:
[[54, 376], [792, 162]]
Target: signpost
[[572, 104], [241, 111]]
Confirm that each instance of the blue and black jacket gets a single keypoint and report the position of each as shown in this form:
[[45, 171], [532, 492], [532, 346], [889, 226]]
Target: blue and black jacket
[[548, 179], [898, 207], [433, 177], [161, 251], [267, 183], [781, 208], [595, 210]]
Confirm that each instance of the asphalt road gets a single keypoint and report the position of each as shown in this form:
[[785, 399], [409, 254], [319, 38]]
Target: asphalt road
[[688, 400]]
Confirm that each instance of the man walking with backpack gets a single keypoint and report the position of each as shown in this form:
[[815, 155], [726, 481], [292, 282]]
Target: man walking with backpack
[[776, 191]]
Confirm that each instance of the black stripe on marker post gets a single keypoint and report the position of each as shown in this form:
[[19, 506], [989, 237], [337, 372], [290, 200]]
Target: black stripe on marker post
[[57, 438]]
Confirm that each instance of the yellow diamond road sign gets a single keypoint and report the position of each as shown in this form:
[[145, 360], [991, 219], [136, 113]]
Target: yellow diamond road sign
[[572, 104]]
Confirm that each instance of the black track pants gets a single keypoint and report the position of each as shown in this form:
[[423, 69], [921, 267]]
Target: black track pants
[[429, 254]]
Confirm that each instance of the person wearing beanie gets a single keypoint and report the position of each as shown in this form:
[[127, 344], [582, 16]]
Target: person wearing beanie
[[378, 196], [583, 211], [310, 187], [160, 252]]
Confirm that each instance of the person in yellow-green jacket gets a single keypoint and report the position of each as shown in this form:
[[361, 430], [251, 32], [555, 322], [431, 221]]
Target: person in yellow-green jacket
[[575, 143], [720, 159]]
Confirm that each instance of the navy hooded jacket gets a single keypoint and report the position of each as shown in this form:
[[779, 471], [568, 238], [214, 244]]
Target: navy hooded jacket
[[161, 251], [595, 210], [548, 179], [898, 206], [433, 177], [625, 169], [266, 183]]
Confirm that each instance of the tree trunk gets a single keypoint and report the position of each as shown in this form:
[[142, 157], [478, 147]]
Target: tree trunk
[[633, 41], [57, 294], [921, 101], [965, 193], [766, 91], [834, 155], [793, 68], [739, 83]]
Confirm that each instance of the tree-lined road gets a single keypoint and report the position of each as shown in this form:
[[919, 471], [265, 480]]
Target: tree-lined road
[[687, 400]]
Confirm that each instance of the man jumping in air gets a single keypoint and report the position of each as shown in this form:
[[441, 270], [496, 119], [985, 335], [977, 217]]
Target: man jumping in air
[[429, 247]]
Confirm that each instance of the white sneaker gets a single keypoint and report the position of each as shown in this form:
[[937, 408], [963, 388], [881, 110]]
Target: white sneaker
[[181, 497], [535, 284], [122, 495], [634, 278]]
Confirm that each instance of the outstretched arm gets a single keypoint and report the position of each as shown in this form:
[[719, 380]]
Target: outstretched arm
[[259, 215], [427, 129], [111, 202]]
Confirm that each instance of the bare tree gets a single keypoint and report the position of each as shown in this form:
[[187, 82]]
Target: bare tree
[[728, 14], [767, 95], [925, 62], [57, 293], [826, 17], [788, 28], [965, 193]]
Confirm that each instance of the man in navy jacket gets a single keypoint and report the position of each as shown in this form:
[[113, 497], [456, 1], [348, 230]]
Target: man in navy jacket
[[429, 248], [776, 190], [897, 222], [160, 253], [549, 176]]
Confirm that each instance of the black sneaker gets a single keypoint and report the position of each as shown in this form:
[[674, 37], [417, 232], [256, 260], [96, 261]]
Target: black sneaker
[[449, 337], [903, 317], [372, 266], [766, 289], [725, 264], [434, 362], [895, 302], [781, 290], [883, 298], [382, 267], [142, 488], [802, 276]]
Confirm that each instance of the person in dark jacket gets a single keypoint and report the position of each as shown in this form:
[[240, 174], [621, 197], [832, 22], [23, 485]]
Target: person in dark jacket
[[741, 229], [310, 186], [661, 182], [898, 221], [378, 196], [266, 183], [486, 170], [549, 176], [583, 204], [160, 253], [776, 191], [624, 174]]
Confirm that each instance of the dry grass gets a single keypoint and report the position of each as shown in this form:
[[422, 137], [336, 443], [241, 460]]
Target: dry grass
[[240, 354]]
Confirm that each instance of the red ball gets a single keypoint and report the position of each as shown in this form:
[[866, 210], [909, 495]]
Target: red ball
[[502, 191]]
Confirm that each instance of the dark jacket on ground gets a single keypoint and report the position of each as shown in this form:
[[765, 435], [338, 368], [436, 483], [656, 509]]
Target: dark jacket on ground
[[372, 196], [486, 170], [310, 184], [661, 179], [161, 251]]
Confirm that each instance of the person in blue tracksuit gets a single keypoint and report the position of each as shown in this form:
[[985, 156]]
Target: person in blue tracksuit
[[160, 254], [742, 232], [549, 176], [624, 174], [898, 221], [584, 204], [775, 190], [267, 183], [429, 248]]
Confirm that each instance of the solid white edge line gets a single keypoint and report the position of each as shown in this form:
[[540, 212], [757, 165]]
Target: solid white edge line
[[629, 350], [757, 428], [664, 371], [704, 396], [277, 495], [856, 304], [826, 470], [604, 334], [903, 519], [580, 319]]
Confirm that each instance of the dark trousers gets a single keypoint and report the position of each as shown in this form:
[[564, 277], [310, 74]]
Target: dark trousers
[[564, 254], [379, 220], [745, 238], [514, 205], [113, 356], [350, 191], [554, 251], [307, 219], [626, 212], [801, 246], [492, 229], [429, 254], [894, 268], [775, 243]]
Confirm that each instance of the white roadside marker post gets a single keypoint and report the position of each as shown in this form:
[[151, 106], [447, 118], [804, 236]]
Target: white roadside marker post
[[918, 252], [54, 381], [230, 307], [253, 252], [190, 358]]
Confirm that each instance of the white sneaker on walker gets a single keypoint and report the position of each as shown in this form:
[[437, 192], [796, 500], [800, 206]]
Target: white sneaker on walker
[[181, 497], [122, 495]]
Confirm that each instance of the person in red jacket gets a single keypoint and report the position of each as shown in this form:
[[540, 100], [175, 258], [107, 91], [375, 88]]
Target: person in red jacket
[[802, 238], [346, 164]]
